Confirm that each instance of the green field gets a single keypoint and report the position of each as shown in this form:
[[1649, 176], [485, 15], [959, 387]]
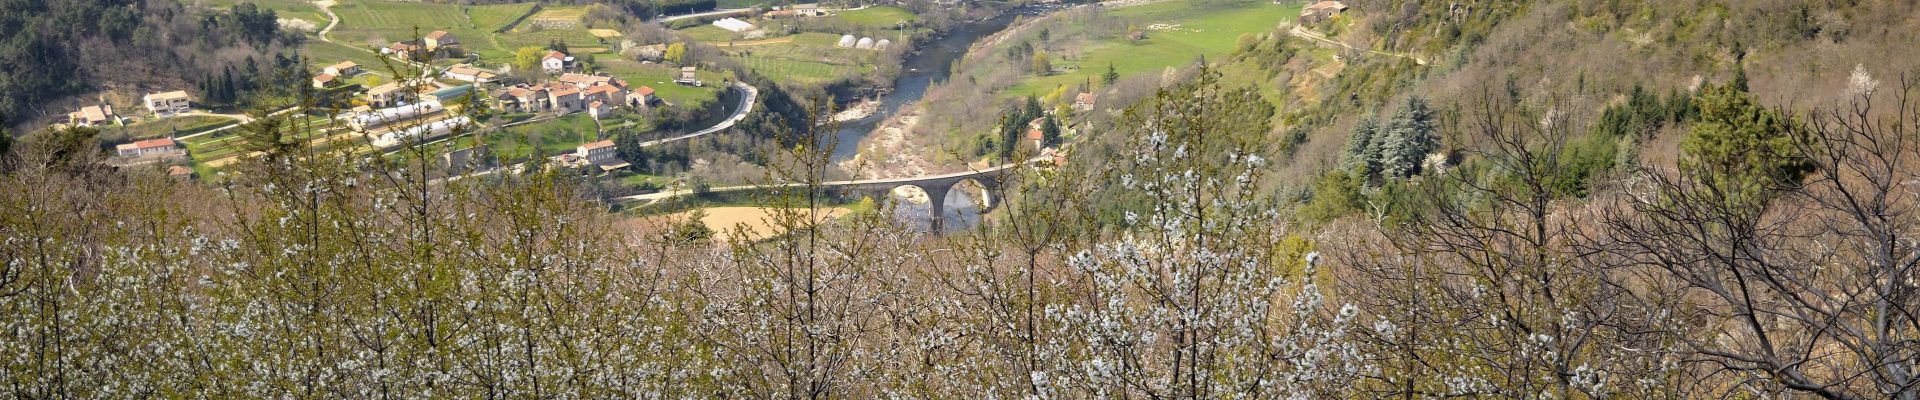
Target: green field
[[551, 137], [379, 22], [660, 78], [301, 9], [173, 126], [878, 16], [1210, 31], [709, 33]]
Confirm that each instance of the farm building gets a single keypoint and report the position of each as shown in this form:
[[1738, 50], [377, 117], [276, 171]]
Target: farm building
[[167, 103], [688, 76], [733, 24]]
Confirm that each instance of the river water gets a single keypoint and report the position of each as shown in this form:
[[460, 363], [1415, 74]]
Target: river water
[[931, 64]]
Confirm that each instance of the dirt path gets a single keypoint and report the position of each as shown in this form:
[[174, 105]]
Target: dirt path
[[1303, 33], [326, 6]]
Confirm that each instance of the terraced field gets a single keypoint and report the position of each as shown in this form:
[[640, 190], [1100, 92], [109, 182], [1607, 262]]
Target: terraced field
[[379, 22]]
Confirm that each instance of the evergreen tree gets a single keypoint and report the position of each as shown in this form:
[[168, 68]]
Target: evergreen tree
[[1110, 77], [1744, 150], [1049, 132], [1360, 157], [1409, 138]]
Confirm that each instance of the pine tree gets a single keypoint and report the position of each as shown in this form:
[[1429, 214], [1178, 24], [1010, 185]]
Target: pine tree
[[1050, 132], [1360, 158], [1410, 137], [1110, 77]]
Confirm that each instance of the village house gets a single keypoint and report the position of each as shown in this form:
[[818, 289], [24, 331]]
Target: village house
[[1035, 135], [602, 153], [524, 99], [391, 94], [564, 98], [641, 97], [343, 68], [440, 39], [555, 62], [599, 109], [161, 146], [92, 116], [584, 81], [402, 50], [1084, 102], [168, 103], [610, 94], [323, 80], [1321, 11], [469, 74]]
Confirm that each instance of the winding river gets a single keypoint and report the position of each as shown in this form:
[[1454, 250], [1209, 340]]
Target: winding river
[[932, 63]]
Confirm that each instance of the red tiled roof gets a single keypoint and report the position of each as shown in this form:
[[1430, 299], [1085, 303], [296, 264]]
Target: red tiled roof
[[598, 145], [644, 91], [556, 54], [153, 143], [436, 35]]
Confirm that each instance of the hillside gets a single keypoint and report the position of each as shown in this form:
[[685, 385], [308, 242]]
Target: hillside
[[1580, 55], [58, 49]]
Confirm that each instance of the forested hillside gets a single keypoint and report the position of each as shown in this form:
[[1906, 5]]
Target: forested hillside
[[1579, 199], [53, 50]]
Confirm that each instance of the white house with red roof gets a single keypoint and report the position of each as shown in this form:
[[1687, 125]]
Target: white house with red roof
[[163, 145]]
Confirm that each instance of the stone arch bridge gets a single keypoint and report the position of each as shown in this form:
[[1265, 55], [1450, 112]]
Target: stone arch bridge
[[937, 187]]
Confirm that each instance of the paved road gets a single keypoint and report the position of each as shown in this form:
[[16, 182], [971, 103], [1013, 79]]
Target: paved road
[[739, 113], [243, 120]]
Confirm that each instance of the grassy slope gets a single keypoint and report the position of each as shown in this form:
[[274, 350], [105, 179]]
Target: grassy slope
[[301, 9], [877, 16], [1209, 31], [660, 78]]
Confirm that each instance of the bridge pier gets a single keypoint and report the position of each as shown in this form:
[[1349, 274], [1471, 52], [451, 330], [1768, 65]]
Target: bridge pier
[[937, 200]]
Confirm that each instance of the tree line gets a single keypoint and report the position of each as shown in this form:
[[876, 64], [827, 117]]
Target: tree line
[[68, 47]]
